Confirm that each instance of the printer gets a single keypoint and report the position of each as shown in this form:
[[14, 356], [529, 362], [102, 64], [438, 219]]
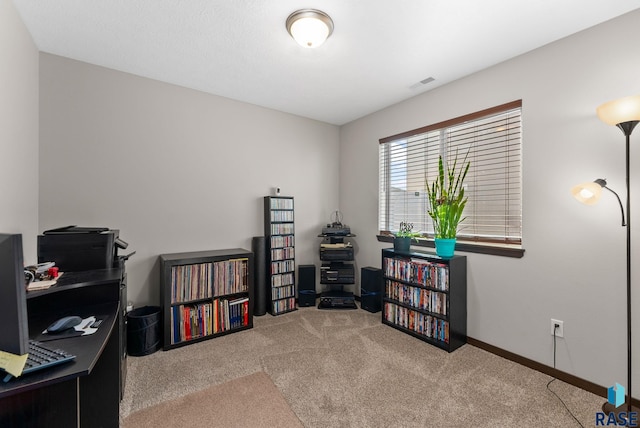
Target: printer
[[74, 248]]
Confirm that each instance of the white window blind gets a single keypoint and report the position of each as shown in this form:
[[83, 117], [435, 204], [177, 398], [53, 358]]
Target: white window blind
[[491, 140]]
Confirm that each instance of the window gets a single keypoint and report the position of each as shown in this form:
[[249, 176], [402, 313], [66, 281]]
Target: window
[[493, 139]]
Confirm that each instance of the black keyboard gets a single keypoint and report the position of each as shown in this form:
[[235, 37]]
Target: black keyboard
[[41, 357]]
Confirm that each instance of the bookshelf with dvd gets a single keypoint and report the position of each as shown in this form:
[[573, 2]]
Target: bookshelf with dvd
[[426, 296], [279, 231], [205, 294]]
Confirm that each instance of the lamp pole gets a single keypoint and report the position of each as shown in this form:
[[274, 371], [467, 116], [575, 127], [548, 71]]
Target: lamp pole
[[627, 128]]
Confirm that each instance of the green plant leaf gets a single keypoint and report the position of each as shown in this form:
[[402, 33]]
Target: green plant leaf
[[447, 198]]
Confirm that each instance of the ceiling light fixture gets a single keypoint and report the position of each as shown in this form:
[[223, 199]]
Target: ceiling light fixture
[[309, 27]]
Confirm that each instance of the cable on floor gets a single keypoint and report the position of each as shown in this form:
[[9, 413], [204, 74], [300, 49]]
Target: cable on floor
[[549, 383]]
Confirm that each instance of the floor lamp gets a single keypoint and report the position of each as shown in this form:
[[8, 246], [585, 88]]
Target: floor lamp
[[625, 114]]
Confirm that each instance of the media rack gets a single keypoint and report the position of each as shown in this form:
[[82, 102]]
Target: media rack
[[279, 232], [337, 269]]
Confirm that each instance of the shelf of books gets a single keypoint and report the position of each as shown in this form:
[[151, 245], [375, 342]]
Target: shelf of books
[[426, 296], [205, 294], [279, 231]]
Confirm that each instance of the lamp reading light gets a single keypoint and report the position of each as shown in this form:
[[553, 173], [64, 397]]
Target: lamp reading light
[[586, 194], [309, 27], [589, 193]]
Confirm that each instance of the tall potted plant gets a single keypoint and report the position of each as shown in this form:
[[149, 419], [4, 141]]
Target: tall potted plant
[[446, 204]]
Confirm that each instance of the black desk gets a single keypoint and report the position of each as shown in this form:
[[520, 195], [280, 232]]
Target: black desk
[[82, 393]]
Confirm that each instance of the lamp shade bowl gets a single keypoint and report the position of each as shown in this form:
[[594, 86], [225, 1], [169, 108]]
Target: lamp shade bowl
[[622, 110]]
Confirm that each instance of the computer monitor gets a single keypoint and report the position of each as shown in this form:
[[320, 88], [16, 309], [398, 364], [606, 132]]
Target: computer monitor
[[14, 330]]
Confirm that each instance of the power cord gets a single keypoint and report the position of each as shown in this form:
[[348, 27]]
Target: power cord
[[549, 383]]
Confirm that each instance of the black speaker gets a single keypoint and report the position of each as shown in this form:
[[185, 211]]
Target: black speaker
[[371, 289], [259, 248], [306, 285]]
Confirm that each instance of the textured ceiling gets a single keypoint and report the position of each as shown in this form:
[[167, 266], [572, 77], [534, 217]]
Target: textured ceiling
[[240, 49]]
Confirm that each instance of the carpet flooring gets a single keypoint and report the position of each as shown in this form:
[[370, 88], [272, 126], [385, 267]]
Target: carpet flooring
[[346, 369], [250, 401]]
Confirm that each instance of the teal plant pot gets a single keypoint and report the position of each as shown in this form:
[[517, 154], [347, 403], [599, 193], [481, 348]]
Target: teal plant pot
[[401, 245], [445, 247]]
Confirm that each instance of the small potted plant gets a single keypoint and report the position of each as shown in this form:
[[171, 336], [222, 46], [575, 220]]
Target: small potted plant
[[446, 204], [402, 238]]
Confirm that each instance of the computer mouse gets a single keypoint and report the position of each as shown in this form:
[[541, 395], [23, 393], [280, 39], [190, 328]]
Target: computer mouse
[[64, 324]]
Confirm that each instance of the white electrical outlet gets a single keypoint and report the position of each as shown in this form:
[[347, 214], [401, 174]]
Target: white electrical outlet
[[557, 328]]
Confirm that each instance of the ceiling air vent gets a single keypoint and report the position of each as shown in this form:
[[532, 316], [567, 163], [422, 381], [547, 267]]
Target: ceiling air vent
[[422, 83]]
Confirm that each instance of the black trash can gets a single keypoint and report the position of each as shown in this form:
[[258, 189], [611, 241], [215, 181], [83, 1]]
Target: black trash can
[[143, 331]]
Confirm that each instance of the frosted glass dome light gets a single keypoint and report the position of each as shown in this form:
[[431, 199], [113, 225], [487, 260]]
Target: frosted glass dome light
[[309, 27]]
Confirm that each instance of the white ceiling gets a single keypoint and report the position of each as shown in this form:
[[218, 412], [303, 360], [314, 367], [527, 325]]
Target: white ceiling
[[240, 49]]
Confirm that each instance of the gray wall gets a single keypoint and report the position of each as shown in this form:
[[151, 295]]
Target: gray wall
[[574, 265], [174, 169], [18, 130]]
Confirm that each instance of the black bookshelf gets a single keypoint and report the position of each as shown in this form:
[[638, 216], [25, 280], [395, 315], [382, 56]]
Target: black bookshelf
[[279, 231], [205, 294], [426, 296]]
